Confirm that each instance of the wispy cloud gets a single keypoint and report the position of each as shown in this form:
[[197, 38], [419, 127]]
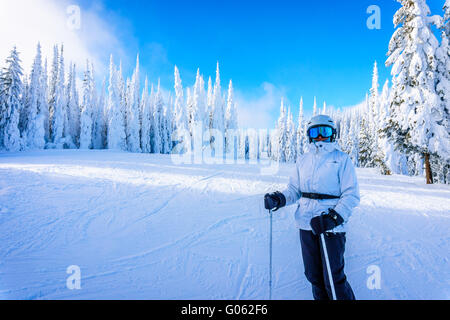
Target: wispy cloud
[[261, 109], [24, 23]]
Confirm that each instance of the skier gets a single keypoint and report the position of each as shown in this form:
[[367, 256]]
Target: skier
[[325, 185]]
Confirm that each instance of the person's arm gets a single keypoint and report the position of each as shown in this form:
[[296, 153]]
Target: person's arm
[[350, 197], [293, 193], [277, 200]]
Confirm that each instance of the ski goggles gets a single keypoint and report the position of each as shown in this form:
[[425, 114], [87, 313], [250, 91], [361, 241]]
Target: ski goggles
[[324, 131]]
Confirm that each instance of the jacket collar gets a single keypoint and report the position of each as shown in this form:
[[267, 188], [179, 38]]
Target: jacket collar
[[323, 147]]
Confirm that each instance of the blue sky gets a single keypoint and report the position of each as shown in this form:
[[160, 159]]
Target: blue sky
[[269, 48]]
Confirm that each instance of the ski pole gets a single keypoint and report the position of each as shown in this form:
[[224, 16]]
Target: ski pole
[[270, 257], [330, 276]]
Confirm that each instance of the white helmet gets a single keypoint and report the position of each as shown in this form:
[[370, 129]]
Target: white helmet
[[322, 120]]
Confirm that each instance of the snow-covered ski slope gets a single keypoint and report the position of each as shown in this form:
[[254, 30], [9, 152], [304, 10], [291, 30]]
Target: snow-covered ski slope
[[140, 227]]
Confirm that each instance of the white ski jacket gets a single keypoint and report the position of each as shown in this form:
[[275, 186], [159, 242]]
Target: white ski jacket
[[327, 170]]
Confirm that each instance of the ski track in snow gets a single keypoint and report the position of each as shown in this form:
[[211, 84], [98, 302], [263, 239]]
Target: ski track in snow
[[141, 227]]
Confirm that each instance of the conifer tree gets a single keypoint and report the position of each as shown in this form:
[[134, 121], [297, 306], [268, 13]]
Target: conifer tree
[[133, 127], [416, 124], [180, 117], [146, 121], [231, 121], [35, 130], [353, 138], [158, 121], [291, 147], [281, 137], [57, 105], [366, 141], [73, 109], [86, 110], [116, 110], [12, 94], [300, 130], [99, 120], [315, 107]]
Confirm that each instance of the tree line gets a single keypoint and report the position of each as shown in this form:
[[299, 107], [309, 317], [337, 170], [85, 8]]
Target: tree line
[[49, 110]]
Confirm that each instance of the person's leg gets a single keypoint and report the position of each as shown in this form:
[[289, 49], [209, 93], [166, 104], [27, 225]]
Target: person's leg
[[336, 246], [313, 264]]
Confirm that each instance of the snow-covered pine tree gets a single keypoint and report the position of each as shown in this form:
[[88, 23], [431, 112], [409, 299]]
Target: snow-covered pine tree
[[146, 121], [116, 111], [73, 108], [45, 110], [281, 137], [386, 151], [56, 101], [231, 121], [154, 130], [374, 105], [123, 85], [324, 109], [441, 164], [133, 112], [291, 140], [126, 103], [2, 110], [12, 102], [164, 130], [200, 99], [269, 143], [169, 121], [315, 107], [374, 124], [243, 144], [99, 120], [300, 130], [344, 139], [253, 145], [190, 112], [264, 141], [63, 105], [180, 117], [35, 130], [158, 120], [94, 100], [209, 110], [197, 108], [366, 141], [416, 125], [353, 138], [87, 107], [209, 103], [23, 117], [305, 137], [218, 119]]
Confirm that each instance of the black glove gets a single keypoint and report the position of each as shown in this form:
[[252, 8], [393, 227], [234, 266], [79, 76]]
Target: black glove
[[274, 200], [326, 222]]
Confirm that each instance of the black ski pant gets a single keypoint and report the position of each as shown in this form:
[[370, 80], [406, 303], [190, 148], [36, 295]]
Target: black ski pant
[[316, 268]]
